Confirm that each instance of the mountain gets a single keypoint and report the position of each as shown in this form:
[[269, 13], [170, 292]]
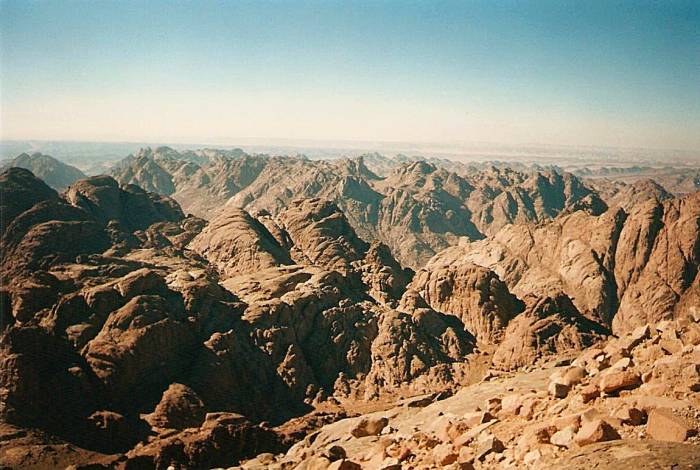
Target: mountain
[[284, 333], [55, 173], [418, 209]]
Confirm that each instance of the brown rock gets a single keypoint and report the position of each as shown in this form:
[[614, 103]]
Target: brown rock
[[558, 390], [369, 427], [488, 445], [617, 381], [589, 392], [443, 454], [595, 431], [564, 438], [663, 425], [179, 408], [630, 415], [344, 465], [477, 417]]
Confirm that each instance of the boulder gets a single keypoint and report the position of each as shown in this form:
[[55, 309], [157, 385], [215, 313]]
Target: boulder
[[663, 425], [595, 431], [624, 380], [369, 427]]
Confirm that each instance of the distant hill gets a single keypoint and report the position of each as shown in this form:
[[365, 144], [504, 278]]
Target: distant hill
[[54, 172]]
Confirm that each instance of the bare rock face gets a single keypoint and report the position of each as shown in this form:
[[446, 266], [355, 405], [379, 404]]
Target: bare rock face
[[472, 293], [667, 254], [20, 190], [205, 330], [236, 243], [546, 327], [131, 206], [144, 340], [384, 277], [223, 440], [322, 235], [35, 365], [179, 408], [621, 270]]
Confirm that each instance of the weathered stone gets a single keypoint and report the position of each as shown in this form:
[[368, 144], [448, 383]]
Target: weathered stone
[[589, 392], [617, 381], [369, 427], [563, 438], [443, 454], [630, 415], [595, 431], [663, 425], [476, 418], [558, 390], [488, 445], [344, 465]]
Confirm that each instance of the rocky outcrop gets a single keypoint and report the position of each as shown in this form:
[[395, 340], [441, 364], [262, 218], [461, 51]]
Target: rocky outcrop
[[663, 278], [472, 293], [180, 343], [321, 235], [130, 206], [621, 270], [237, 243], [179, 408], [547, 326]]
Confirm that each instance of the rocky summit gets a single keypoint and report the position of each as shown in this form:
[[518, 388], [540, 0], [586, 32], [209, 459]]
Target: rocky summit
[[217, 309]]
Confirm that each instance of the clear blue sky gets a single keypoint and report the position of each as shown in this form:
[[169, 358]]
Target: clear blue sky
[[579, 72]]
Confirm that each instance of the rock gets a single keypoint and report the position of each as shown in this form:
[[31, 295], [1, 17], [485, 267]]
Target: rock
[[558, 390], [625, 380], [663, 425], [510, 404], [630, 415], [473, 293], [671, 346], [564, 437], [633, 339], [595, 431], [476, 418], [369, 427], [335, 453], [179, 408], [589, 392], [547, 326], [237, 243], [573, 375], [443, 454], [488, 445], [344, 465], [532, 457]]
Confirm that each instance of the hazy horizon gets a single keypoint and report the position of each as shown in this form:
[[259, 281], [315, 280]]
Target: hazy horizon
[[600, 74]]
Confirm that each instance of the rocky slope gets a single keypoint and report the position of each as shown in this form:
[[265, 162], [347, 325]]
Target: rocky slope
[[53, 172], [103, 300], [177, 341], [628, 401], [619, 269], [417, 209]]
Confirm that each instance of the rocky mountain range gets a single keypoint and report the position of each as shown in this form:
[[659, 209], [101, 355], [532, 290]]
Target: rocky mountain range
[[54, 172], [212, 309], [417, 209]]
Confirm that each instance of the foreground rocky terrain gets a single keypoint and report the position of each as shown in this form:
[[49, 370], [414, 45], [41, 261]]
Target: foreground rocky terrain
[[322, 316]]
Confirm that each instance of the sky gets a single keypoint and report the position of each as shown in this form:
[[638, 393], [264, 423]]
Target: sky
[[599, 73]]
